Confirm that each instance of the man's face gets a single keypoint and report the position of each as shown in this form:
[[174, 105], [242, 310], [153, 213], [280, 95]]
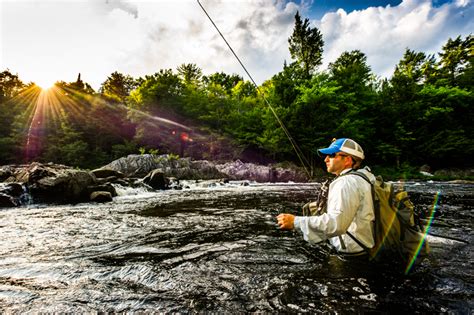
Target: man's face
[[337, 162]]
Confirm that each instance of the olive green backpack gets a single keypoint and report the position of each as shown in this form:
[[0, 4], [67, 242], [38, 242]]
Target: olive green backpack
[[397, 229]]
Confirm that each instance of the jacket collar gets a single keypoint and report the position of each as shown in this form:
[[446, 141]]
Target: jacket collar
[[347, 170]]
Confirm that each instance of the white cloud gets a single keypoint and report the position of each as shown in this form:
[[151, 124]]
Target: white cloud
[[180, 32], [383, 33]]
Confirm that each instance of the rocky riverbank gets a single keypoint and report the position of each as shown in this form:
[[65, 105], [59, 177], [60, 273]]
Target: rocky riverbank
[[60, 184]]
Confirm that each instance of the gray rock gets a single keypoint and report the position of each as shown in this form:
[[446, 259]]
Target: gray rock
[[5, 172], [107, 173], [156, 179], [12, 189], [63, 187], [52, 182], [238, 170], [134, 165], [103, 187], [455, 173], [101, 196], [142, 165], [7, 201], [102, 181]]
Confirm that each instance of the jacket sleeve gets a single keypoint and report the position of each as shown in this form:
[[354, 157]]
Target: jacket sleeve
[[342, 206]]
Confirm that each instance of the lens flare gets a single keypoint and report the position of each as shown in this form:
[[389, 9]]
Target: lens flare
[[425, 232]]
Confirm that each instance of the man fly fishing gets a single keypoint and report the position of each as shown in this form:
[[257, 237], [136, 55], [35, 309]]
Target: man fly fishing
[[349, 205]]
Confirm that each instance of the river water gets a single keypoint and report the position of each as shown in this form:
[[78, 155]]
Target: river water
[[216, 248]]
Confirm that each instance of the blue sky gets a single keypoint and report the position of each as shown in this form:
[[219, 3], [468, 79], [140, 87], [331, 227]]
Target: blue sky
[[321, 7], [48, 40]]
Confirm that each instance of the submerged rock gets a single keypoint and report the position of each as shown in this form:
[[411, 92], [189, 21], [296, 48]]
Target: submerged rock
[[101, 196]]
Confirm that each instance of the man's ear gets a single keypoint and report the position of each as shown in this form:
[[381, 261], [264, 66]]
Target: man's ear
[[351, 163]]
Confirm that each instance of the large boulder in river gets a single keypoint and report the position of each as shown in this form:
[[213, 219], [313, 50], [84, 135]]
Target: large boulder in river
[[156, 179], [53, 183]]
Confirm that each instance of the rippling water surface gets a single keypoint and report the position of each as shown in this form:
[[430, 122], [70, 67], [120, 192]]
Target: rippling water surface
[[218, 249]]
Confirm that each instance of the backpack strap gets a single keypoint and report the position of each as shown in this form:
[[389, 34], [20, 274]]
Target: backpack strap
[[365, 248], [355, 172]]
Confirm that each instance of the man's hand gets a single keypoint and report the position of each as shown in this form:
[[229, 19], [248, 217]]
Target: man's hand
[[286, 221]]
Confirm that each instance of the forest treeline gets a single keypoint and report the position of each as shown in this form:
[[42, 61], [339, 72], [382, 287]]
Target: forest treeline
[[421, 115]]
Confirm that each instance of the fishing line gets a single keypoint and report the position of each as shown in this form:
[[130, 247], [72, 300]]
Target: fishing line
[[298, 151]]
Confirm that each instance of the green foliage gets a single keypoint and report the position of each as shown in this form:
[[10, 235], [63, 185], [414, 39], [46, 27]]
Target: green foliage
[[351, 71], [173, 157], [123, 149], [10, 85], [306, 45], [158, 92], [166, 158], [189, 73], [118, 86], [77, 86], [222, 81], [285, 86], [457, 57], [66, 146]]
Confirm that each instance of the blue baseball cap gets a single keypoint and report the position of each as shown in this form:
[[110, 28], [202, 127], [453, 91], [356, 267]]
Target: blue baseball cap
[[345, 145]]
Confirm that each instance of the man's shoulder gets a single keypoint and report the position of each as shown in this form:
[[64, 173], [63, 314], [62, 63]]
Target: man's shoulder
[[355, 178], [363, 173], [345, 179]]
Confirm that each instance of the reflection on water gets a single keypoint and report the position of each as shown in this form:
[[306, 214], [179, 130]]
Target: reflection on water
[[217, 248]]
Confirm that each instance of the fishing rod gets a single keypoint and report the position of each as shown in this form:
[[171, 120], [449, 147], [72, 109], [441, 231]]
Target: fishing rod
[[298, 151]]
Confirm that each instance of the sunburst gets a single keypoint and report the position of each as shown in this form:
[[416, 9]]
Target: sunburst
[[45, 83]]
